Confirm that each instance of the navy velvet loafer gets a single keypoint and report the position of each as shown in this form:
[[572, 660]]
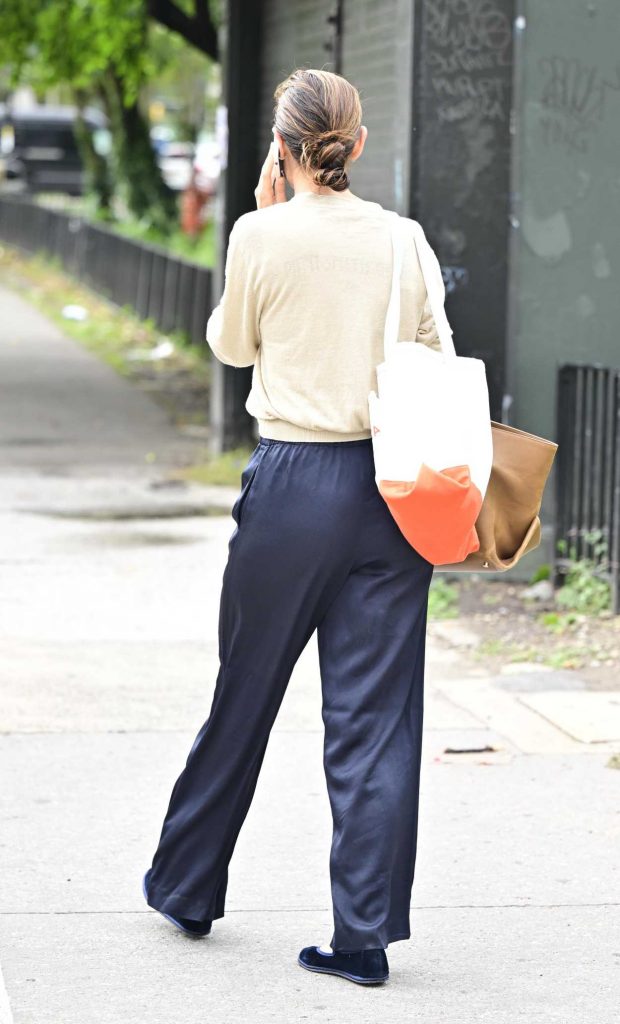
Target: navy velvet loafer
[[197, 929], [364, 966]]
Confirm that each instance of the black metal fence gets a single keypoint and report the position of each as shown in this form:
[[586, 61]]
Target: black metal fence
[[588, 467], [173, 292]]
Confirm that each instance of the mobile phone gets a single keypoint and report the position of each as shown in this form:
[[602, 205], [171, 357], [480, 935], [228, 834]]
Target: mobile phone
[[279, 164], [275, 175], [279, 159]]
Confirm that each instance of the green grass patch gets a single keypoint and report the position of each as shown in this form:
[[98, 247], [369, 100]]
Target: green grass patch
[[570, 657], [197, 250], [443, 599], [222, 470], [558, 622], [490, 646], [543, 572], [560, 657]]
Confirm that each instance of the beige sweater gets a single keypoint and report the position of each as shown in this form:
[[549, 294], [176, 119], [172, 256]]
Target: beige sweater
[[307, 284]]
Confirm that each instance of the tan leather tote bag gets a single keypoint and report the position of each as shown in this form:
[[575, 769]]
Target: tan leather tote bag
[[508, 524]]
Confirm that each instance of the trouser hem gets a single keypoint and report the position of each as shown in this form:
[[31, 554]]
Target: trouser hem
[[182, 906], [352, 946]]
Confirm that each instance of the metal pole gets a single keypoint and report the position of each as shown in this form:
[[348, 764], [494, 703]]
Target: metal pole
[[240, 46]]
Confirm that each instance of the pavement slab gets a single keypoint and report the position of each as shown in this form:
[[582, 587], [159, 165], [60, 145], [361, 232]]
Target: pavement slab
[[586, 716]]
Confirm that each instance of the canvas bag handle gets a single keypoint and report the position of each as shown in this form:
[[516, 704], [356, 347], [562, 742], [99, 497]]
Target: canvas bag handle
[[433, 280]]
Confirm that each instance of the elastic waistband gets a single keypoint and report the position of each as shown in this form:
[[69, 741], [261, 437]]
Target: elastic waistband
[[265, 442]]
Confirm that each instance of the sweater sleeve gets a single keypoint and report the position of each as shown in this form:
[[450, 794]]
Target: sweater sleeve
[[427, 328], [233, 328]]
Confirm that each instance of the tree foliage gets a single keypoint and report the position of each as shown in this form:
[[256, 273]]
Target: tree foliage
[[75, 42], [101, 49]]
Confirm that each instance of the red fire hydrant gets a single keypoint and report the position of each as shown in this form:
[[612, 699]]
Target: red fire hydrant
[[193, 200]]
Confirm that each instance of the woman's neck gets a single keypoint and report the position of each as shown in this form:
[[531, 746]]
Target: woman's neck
[[303, 189]]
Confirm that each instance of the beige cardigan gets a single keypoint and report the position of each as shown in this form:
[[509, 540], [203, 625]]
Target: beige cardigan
[[307, 284]]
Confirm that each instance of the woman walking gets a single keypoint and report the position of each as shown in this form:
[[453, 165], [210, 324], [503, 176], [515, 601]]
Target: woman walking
[[314, 547]]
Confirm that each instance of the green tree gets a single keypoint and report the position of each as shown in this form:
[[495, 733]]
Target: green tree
[[101, 49]]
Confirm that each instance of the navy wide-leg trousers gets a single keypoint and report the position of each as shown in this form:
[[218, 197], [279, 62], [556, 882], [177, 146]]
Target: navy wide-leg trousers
[[314, 548]]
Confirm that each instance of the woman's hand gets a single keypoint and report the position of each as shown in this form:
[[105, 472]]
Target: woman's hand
[[271, 185]]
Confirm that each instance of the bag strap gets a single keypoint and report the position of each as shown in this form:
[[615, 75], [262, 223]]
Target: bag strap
[[435, 288], [433, 279], [392, 317]]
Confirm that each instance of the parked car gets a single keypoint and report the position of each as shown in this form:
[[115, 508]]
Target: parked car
[[38, 148], [175, 162], [182, 163], [207, 163]]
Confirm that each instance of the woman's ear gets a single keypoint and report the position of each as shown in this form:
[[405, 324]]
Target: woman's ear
[[280, 142], [359, 145]]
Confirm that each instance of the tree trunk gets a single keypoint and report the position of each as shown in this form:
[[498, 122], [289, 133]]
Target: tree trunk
[[96, 168], [146, 193]]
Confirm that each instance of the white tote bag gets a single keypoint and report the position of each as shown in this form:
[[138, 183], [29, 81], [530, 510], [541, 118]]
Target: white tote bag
[[430, 422]]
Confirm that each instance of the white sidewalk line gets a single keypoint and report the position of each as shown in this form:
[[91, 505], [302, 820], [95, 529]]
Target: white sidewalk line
[[6, 1015]]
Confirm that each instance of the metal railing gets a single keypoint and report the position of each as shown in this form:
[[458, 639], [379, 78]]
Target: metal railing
[[588, 469], [173, 292]]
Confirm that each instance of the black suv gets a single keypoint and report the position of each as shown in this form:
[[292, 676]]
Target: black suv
[[38, 149]]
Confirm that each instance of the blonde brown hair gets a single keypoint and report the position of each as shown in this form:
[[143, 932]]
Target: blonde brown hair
[[318, 114]]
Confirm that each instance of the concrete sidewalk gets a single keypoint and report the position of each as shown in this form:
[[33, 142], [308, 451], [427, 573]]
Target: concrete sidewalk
[[108, 644]]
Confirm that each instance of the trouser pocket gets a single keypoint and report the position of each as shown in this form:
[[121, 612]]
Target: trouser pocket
[[247, 479]]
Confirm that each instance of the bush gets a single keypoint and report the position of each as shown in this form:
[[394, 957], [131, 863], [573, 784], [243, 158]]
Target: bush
[[584, 589]]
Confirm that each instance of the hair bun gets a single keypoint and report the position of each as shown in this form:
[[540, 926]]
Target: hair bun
[[327, 150], [331, 177]]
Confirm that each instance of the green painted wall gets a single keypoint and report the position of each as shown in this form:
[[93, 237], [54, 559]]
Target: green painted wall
[[565, 273], [565, 267]]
